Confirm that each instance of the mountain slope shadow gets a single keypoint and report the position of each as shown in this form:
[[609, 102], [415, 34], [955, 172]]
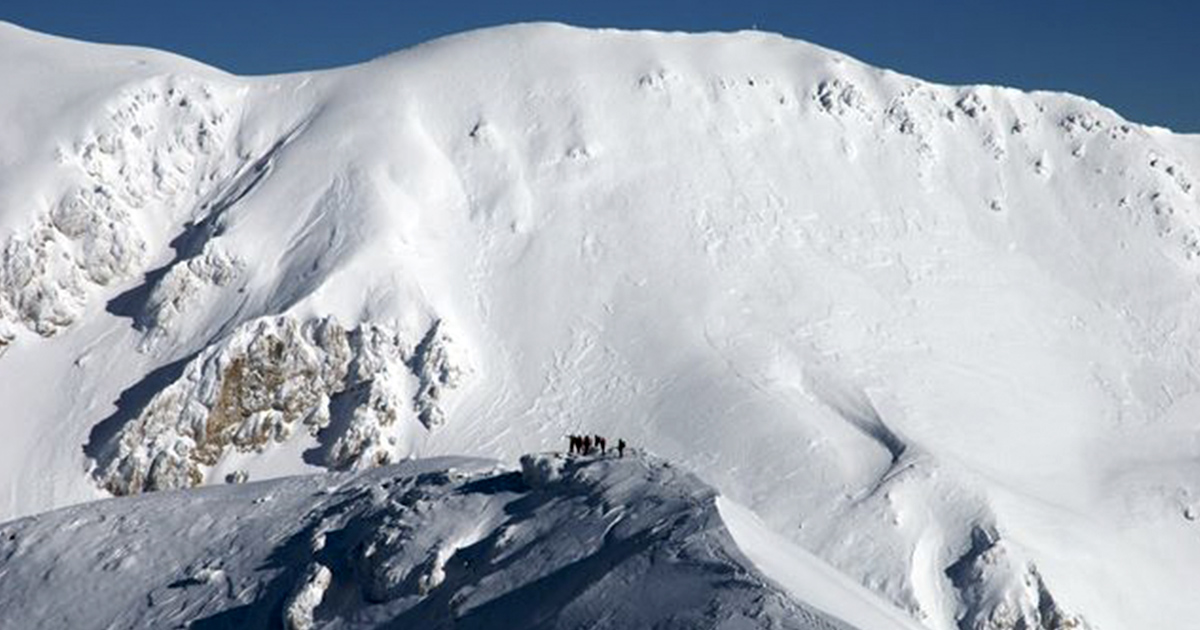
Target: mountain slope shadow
[[102, 439], [854, 405], [190, 242], [341, 415]]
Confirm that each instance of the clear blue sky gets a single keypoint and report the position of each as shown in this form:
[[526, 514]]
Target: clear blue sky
[[1141, 58]]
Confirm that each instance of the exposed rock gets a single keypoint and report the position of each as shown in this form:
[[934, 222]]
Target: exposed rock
[[971, 104], [839, 97], [437, 370], [237, 476], [1172, 170], [1081, 122], [273, 375], [299, 607], [658, 80], [369, 438], [1001, 591]]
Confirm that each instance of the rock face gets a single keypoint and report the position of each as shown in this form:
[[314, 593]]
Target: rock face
[[273, 376], [602, 543]]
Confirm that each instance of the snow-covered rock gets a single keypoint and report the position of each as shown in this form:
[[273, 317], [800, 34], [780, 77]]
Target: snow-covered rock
[[1000, 592], [156, 150], [271, 377], [184, 285], [310, 590]]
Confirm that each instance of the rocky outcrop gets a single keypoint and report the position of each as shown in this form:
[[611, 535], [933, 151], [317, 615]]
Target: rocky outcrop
[[1001, 591], [370, 436], [273, 376], [436, 371], [299, 607]]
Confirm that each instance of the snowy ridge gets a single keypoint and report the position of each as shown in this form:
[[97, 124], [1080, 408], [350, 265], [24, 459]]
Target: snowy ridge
[[602, 543], [893, 319]]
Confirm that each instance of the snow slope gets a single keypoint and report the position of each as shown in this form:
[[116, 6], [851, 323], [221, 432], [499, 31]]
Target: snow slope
[[944, 338], [806, 577], [596, 543]]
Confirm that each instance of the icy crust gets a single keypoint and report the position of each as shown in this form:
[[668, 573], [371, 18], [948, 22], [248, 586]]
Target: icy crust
[[600, 543], [157, 151], [358, 390]]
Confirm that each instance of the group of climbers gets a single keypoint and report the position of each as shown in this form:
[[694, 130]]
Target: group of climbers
[[589, 444]]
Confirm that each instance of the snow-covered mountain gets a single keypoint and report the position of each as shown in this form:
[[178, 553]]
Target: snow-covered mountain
[[580, 543], [944, 338]]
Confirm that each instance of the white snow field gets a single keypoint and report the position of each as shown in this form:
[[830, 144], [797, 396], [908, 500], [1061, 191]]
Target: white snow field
[[942, 338]]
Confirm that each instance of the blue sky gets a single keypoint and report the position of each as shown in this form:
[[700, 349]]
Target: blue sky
[[1140, 58]]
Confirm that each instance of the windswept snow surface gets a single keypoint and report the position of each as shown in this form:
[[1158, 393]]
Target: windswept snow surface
[[805, 576], [463, 543], [944, 338]]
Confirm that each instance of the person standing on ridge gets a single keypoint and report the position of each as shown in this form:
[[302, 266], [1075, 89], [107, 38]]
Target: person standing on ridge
[[620, 447]]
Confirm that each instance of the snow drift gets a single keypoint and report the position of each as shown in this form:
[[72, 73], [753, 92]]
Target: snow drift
[[942, 337]]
